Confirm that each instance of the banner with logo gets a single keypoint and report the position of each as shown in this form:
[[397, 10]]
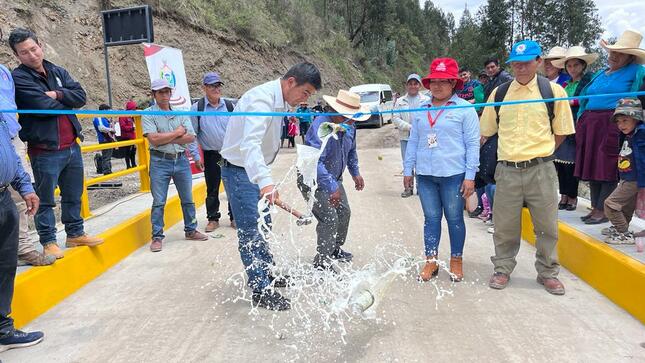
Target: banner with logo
[[168, 63]]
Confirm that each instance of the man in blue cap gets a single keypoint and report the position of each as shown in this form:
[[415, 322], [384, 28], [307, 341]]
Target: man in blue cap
[[403, 121], [525, 174], [210, 131]]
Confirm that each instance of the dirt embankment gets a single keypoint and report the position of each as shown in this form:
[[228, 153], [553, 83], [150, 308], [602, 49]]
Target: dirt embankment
[[72, 33]]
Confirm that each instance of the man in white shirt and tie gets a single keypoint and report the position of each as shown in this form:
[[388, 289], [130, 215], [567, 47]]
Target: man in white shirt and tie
[[251, 144]]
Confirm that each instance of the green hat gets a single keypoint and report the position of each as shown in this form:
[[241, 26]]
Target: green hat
[[629, 107]]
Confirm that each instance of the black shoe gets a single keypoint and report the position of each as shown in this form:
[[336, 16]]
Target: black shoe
[[596, 220], [271, 300], [476, 212], [341, 256], [572, 207], [584, 218], [562, 206], [20, 339], [322, 267], [280, 281]]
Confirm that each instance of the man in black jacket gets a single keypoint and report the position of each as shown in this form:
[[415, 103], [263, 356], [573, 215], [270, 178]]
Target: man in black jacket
[[496, 74], [51, 140]]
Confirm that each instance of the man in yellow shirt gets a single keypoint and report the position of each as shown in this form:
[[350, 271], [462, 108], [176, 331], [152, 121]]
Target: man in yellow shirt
[[525, 172]]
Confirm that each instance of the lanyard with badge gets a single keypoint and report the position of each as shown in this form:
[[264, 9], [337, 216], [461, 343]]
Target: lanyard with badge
[[432, 136]]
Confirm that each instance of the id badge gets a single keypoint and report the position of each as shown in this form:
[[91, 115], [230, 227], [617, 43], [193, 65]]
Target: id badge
[[432, 140]]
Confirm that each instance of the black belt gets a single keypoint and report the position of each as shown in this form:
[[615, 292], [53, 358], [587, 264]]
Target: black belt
[[3, 188], [225, 162], [527, 163], [169, 156]]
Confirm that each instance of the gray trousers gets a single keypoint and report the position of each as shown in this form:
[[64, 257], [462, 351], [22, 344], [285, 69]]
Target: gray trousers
[[333, 222], [25, 245], [535, 186]]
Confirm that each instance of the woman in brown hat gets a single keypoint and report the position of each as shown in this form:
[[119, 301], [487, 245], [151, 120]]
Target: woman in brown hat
[[575, 61], [596, 136]]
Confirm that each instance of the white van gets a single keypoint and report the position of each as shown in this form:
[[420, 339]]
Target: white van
[[378, 97]]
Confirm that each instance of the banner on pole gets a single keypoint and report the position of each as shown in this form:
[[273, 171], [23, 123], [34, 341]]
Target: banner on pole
[[168, 63]]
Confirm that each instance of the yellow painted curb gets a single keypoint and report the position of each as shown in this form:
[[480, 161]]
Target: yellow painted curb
[[39, 289], [614, 274]]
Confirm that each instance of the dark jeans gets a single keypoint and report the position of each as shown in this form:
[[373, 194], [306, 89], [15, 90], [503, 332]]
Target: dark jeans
[[8, 260], [62, 168], [440, 197], [131, 156], [254, 249], [106, 161], [213, 176], [599, 191], [568, 183]]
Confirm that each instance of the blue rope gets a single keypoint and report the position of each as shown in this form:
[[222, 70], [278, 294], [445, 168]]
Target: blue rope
[[282, 114]]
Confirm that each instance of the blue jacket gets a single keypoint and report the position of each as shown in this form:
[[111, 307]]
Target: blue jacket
[[638, 144], [337, 155]]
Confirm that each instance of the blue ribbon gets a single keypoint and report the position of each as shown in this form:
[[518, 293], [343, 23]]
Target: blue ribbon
[[282, 114]]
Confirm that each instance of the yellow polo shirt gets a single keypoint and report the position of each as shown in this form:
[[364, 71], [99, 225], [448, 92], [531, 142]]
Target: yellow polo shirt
[[524, 131]]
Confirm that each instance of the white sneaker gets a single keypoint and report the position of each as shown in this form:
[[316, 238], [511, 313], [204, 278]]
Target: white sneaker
[[608, 231], [491, 230]]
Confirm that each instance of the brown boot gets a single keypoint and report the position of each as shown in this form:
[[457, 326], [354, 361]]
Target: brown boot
[[83, 240], [52, 249], [430, 270], [456, 269], [196, 236], [211, 226]]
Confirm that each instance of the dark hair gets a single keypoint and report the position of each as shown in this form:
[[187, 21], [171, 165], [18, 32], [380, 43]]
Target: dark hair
[[464, 69], [19, 35], [305, 72], [103, 106], [491, 60]]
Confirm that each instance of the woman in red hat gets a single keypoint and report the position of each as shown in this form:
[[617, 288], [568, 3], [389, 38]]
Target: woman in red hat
[[444, 150]]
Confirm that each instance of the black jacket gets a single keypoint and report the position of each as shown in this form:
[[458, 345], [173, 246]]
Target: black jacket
[[39, 129], [501, 77]]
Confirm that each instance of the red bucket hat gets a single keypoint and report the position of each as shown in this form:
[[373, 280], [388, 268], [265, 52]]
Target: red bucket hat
[[443, 68]]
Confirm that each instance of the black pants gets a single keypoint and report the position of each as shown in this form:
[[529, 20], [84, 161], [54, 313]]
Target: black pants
[[213, 176], [8, 259], [568, 182], [600, 190], [130, 156], [106, 161]]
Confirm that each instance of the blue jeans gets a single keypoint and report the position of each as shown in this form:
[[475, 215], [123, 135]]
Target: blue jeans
[[161, 170], [490, 193], [254, 250], [63, 168], [441, 195]]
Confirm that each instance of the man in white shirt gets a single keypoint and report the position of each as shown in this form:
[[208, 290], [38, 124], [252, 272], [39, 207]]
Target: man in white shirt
[[250, 145]]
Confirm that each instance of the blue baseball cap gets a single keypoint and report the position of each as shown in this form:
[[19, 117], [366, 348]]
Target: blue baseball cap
[[524, 51], [212, 78]]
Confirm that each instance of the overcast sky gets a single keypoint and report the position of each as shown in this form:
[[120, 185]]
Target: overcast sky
[[617, 15]]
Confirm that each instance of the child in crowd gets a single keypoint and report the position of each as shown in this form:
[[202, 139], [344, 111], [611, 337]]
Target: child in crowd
[[292, 131], [620, 205]]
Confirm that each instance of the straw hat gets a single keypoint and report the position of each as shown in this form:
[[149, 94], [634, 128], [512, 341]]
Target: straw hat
[[628, 43], [555, 53], [348, 104], [576, 52]]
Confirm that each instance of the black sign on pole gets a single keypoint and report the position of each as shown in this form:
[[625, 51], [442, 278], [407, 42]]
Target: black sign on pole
[[122, 27]]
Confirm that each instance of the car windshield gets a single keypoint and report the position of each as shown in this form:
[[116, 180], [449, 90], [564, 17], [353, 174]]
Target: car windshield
[[369, 96]]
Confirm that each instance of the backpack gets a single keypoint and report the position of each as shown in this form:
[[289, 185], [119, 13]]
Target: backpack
[[488, 151], [201, 105]]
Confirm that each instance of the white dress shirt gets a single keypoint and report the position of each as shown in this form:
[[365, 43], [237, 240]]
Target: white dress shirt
[[253, 142]]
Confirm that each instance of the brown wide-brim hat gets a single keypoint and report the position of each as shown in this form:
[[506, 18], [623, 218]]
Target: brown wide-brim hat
[[348, 104], [576, 52], [628, 43]]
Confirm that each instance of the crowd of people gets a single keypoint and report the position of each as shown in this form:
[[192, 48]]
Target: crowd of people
[[509, 156]]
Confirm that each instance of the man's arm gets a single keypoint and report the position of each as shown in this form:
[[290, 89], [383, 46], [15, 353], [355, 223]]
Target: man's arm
[[254, 130], [562, 123], [184, 139], [31, 97], [72, 93], [488, 122], [352, 158]]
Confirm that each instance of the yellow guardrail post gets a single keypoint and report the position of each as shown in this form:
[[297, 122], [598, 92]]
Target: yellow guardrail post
[[85, 202], [144, 155]]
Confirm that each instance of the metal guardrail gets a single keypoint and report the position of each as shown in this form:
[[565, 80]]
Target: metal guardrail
[[143, 157]]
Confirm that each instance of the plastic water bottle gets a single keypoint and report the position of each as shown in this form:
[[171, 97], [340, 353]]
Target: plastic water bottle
[[640, 244]]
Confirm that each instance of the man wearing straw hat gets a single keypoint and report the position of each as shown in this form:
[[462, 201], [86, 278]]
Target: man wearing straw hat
[[331, 207], [250, 146]]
